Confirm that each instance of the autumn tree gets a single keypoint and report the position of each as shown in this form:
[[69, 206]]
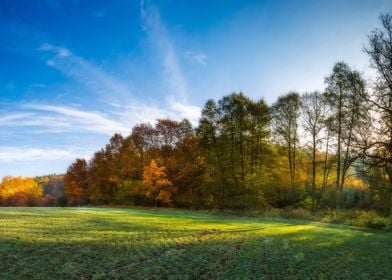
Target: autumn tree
[[75, 183], [158, 188], [144, 139], [19, 191]]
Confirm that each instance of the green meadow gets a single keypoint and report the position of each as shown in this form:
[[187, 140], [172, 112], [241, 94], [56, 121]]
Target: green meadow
[[109, 243]]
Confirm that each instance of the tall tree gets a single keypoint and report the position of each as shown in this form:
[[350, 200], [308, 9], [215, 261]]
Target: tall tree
[[143, 137], [75, 183], [346, 96], [313, 114], [379, 49], [286, 112], [259, 119], [234, 111]]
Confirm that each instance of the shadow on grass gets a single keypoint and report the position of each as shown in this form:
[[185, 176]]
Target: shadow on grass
[[115, 244]]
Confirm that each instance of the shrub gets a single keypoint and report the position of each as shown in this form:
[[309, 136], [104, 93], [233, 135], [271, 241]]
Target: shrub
[[274, 213], [297, 213], [49, 200], [62, 201], [365, 219], [378, 223], [18, 199], [371, 219]]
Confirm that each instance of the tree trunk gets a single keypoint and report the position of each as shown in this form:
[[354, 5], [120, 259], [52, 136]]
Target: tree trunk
[[338, 155], [314, 172]]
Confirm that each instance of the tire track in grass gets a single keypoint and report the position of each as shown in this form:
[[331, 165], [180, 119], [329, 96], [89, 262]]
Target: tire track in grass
[[202, 251]]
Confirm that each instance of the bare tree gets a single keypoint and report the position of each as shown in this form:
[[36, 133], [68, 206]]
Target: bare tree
[[379, 151]]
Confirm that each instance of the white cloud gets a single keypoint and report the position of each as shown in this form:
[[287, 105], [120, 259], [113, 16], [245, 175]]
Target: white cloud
[[12, 154], [118, 93], [190, 112], [74, 119], [198, 57], [157, 31], [88, 74], [59, 51], [119, 112]]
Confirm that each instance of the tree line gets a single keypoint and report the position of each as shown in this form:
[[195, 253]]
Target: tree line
[[316, 150]]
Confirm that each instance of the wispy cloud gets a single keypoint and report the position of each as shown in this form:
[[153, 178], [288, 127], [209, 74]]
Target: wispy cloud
[[79, 120], [196, 56], [87, 73], [16, 154], [116, 107], [60, 51], [119, 94], [157, 31]]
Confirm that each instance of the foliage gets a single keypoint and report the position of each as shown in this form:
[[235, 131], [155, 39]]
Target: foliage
[[158, 187], [19, 191], [75, 183]]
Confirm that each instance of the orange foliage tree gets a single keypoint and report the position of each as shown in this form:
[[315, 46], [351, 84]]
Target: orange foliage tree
[[19, 191], [75, 183], [158, 187]]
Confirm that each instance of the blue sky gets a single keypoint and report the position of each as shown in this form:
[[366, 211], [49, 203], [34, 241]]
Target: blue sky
[[72, 73]]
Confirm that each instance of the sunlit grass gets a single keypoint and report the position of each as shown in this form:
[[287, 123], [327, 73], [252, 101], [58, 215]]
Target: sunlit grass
[[89, 243]]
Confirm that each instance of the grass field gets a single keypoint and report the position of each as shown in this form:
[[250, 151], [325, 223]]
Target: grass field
[[88, 243]]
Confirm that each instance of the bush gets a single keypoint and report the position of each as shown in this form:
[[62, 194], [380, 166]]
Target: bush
[[62, 201], [297, 213], [371, 219], [378, 223], [274, 213], [338, 217], [365, 219], [48, 200]]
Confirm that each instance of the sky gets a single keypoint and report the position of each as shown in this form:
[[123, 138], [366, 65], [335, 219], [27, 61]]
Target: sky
[[73, 73]]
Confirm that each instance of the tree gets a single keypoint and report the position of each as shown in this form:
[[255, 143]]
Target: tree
[[232, 134], [143, 138], [379, 150], [158, 187], [75, 183], [346, 97], [234, 119], [189, 169], [286, 112], [260, 118], [19, 191], [313, 116]]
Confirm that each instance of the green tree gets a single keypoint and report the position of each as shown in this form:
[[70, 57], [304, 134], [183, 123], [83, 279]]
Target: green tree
[[286, 112], [347, 99]]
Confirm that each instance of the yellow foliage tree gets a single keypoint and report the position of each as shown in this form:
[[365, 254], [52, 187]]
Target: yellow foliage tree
[[19, 191], [158, 187]]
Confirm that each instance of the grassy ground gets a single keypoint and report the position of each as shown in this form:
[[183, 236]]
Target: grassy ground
[[87, 243]]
